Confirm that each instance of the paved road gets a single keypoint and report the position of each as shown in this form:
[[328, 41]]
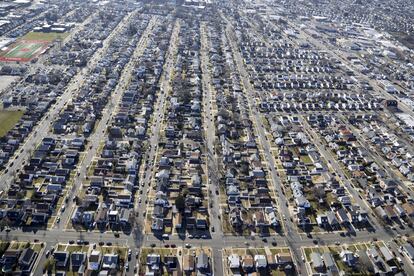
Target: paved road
[[212, 161]]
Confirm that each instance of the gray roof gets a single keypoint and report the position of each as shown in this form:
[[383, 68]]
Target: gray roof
[[202, 260], [409, 249], [316, 259]]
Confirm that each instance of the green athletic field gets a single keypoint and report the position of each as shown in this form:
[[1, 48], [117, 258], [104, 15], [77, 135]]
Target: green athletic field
[[29, 46], [24, 49]]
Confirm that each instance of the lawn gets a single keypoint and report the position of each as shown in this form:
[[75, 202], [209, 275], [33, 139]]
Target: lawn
[[8, 120], [44, 36]]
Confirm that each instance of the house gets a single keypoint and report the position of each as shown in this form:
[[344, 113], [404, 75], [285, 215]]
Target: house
[[157, 224], [390, 212], [171, 262], [61, 259], [27, 259], [94, 260], [330, 263], [201, 221], [386, 253], [260, 261], [271, 260], [259, 219], [322, 220], [332, 220], [348, 258], [233, 261], [77, 262], [202, 261], [110, 261], [283, 259], [408, 208], [317, 262], [408, 251], [366, 261], [247, 262], [153, 262], [235, 217], [188, 263], [342, 216], [9, 260]]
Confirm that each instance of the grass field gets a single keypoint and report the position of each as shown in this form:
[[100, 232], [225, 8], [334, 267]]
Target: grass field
[[8, 119], [29, 46], [44, 36]]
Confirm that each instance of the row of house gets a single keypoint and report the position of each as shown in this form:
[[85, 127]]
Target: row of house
[[190, 263], [180, 172], [245, 181], [33, 196], [109, 193], [318, 196], [249, 263], [86, 263], [18, 260], [76, 52], [384, 192]]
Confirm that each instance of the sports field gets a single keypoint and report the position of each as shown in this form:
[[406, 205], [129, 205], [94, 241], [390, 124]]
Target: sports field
[[29, 46], [23, 50]]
